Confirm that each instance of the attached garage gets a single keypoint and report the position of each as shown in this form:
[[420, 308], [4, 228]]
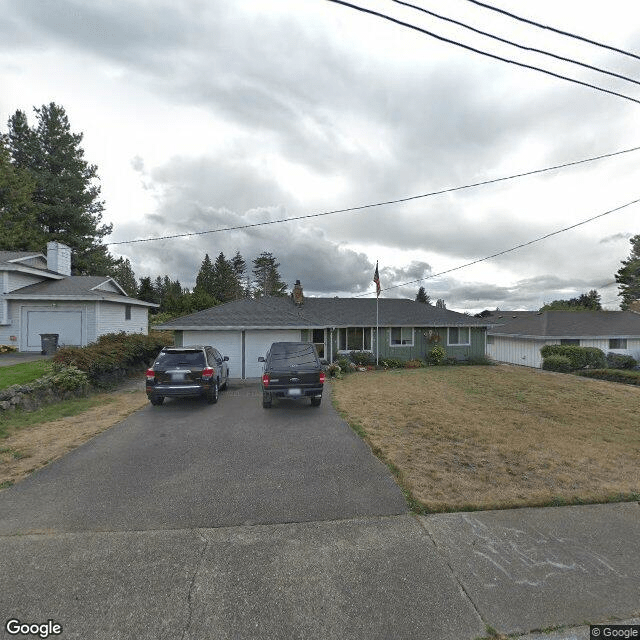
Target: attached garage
[[69, 324], [257, 344], [228, 343]]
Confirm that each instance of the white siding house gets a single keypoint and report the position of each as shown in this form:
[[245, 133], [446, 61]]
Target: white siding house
[[39, 296], [517, 338]]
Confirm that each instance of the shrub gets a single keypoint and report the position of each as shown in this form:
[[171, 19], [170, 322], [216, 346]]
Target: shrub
[[561, 364], [478, 360], [579, 357], [436, 355], [413, 364], [362, 358], [7, 348], [392, 363], [334, 370], [612, 375], [620, 361], [67, 378]]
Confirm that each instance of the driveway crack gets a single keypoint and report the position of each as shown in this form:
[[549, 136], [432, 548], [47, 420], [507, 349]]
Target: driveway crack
[[193, 582]]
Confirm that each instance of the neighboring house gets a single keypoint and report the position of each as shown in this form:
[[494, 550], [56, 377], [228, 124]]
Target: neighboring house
[[245, 329], [517, 336], [38, 295]]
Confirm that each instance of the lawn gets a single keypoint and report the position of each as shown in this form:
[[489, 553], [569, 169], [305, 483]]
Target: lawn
[[23, 373], [476, 437]]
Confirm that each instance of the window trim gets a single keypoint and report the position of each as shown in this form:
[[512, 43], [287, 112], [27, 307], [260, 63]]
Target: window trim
[[458, 344], [401, 344], [345, 348], [127, 311], [622, 340]]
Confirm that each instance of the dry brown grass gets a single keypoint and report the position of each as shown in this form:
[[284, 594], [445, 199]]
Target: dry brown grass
[[500, 436], [32, 447]]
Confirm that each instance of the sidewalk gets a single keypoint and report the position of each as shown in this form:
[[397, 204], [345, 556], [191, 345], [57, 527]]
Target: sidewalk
[[442, 577]]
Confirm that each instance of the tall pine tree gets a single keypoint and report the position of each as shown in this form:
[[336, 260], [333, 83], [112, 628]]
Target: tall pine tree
[[242, 285], [267, 280], [205, 280], [224, 281], [628, 276], [66, 194]]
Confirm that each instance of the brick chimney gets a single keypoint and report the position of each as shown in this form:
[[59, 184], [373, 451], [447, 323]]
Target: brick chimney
[[635, 306], [59, 258], [297, 294]]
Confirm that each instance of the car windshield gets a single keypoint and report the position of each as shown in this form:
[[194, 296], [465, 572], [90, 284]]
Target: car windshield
[[293, 354], [175, 358]]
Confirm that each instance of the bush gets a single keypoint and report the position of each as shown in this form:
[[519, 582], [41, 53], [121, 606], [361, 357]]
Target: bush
[[620, 361], [436, 355], [392, 363], [478, 360], [67, 378], [7, 348], [362, 358], [579, 357], [612, 375], [561, 364], [114, 353], [413, 364]]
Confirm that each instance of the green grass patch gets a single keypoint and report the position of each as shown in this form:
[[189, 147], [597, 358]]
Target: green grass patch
[[23, 373], [14, 420]]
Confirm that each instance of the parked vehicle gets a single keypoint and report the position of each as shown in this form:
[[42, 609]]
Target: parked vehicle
[[292, 370], [187, 371]]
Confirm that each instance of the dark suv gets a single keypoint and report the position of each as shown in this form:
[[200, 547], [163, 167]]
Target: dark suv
[[292, 370], [187, 371]]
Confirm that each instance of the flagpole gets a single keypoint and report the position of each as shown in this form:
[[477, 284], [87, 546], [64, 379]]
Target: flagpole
[[377, 331]]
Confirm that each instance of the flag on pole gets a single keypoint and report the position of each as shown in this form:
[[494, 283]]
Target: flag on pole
[[376, 279]]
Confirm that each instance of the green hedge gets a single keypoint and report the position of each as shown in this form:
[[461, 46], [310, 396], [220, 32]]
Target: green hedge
[[561, 364], [114, 352], [620, 361], [579, 357], [612, 375]]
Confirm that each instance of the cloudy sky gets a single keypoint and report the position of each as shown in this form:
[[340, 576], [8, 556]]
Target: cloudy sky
[[206, 114]]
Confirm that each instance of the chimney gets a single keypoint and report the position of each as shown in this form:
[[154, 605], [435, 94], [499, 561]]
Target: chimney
[[59, 258], [297, 294], [635, 306]]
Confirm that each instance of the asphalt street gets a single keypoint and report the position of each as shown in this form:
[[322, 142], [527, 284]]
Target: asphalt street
[[229, 521]]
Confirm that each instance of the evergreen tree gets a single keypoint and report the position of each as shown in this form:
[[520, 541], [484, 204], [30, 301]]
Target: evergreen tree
[[146, 290], [66, 194], [628, 276], [585, 302], [17, 211], [422, 296], [123, 274], [242, 285], [267, 277], [441, 303], [205, 280], [224, 280]]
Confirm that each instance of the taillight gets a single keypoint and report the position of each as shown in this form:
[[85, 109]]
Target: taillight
[[207, 373], [266, 379], [151, 375], [322, 377]]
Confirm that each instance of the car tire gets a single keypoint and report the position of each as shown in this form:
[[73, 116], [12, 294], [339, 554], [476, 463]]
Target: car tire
[[213, 393], [315, 402], [156, 401], [266, 401]]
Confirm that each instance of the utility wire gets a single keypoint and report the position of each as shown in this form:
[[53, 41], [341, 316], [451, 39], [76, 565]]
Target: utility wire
[[380, 204], [515, 44], [483, 53], [564, 33], [501, 253]]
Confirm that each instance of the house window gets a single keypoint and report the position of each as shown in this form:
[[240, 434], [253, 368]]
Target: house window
[[127, 312], [617, 343], [489, 339], [354, 339], [459, 336], [570, 341], [401, 336], [318, 340]]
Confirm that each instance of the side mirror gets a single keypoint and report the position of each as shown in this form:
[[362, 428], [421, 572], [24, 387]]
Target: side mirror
[[261, 359], [225, 359]]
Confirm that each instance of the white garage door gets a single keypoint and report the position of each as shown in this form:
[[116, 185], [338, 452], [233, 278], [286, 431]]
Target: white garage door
[[228, 343], [257, 344], [67, 324]]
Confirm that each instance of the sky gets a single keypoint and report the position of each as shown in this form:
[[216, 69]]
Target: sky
[[207, 114]]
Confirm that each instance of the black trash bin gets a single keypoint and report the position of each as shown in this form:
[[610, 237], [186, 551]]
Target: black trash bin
[[49, 342]]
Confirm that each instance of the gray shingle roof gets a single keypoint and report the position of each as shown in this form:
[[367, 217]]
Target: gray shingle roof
[[272, 312], [7, 256], [569, 324]]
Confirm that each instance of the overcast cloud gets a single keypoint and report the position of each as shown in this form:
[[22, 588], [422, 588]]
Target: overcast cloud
[[204, 115]]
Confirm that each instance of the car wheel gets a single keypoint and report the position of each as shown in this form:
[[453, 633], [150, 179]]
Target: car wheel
[[212, 396], [315, 402], [156, 401], [266, 401]]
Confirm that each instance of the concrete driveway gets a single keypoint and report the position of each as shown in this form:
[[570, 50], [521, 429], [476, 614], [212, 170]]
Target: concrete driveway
[[190, 521]]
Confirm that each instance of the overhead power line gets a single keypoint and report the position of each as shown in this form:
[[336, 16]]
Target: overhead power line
[[380, 204], [501, 253], [516, 44], [479, 51], [564, 33]]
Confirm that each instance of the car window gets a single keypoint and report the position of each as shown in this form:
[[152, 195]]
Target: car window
[[175, 358], [293, 354], [216, 355]]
